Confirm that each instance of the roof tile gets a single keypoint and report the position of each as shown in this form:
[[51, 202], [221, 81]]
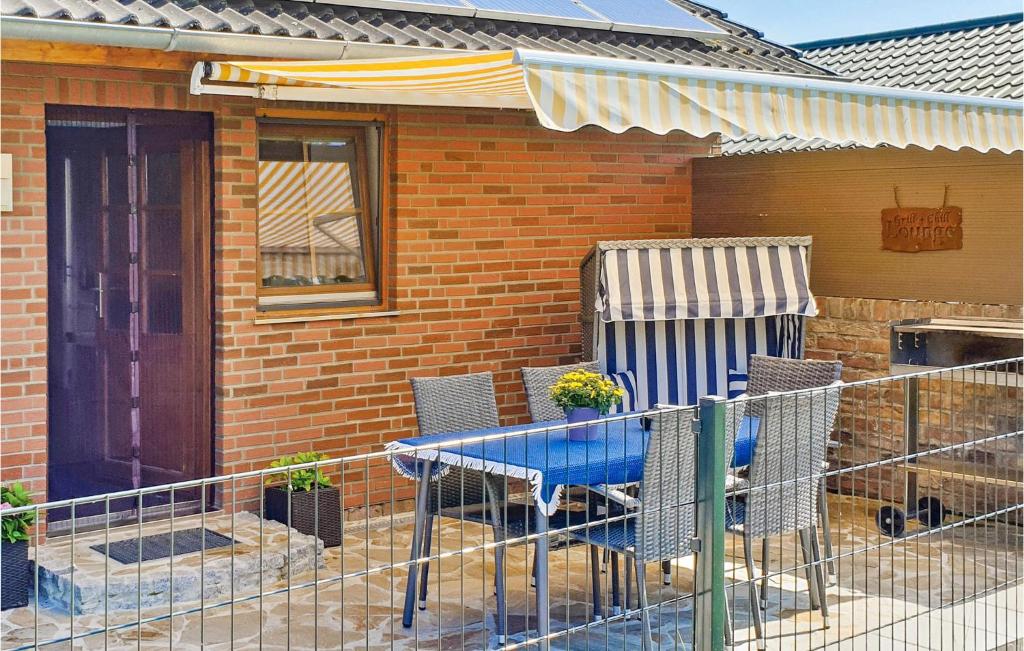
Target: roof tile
[[740, 47]]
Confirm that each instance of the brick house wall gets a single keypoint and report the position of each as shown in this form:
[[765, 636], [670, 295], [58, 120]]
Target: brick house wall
[[491, 216]]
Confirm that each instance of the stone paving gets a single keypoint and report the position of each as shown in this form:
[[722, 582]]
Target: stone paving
[[888, 595]]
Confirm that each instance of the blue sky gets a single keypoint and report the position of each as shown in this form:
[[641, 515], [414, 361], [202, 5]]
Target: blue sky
[[794, 21]]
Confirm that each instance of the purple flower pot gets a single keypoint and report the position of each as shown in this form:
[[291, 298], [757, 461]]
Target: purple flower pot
[[584, 432]]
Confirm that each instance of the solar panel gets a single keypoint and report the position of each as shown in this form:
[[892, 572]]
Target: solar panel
[[456, 7], [640, 16], [437, 3], [561, 12], [650, 15]]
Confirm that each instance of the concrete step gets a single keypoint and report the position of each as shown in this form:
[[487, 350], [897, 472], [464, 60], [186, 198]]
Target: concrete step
[[94, 583]]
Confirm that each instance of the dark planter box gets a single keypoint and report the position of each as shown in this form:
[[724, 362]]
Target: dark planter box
[[305, 517], [15, 575]]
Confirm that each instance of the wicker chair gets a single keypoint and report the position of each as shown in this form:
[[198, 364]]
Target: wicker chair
[[784, 485], [538, 381], [456, 404], [662, 522], [766, 374]]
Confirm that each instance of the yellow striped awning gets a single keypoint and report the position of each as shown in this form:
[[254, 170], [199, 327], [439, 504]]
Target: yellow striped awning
[[568, 92]]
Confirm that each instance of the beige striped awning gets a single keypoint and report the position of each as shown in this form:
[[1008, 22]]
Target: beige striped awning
[[571, 91]]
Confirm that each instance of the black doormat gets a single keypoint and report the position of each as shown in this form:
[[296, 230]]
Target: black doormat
[[159, 545]]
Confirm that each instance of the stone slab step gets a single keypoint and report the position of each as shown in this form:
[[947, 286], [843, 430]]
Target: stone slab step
[[94, 583]]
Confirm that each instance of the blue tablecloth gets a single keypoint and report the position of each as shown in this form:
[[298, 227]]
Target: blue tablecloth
[[548, 460]]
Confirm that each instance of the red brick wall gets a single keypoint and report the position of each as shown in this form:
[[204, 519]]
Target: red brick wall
[[492, 215]]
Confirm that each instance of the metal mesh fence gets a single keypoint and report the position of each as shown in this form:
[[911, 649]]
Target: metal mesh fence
[[890, 506], [906, 534]]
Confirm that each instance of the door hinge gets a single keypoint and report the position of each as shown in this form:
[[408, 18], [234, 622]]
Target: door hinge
[[695, 545], [133, 258], [134, 307], [136, 452], [696, 426], [131, 160], [135, 355], [135, 402]]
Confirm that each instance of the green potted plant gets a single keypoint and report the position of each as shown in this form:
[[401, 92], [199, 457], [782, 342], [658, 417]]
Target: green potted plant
[[585, 396], [304, 498], [15, 572]]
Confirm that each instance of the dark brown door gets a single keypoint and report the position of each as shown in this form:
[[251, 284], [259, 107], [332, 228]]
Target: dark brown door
[[129, 222]]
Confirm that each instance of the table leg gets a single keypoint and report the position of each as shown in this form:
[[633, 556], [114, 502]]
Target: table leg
[[543, 598], [422, 502]]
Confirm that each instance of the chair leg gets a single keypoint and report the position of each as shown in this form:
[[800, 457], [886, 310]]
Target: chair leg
[[826, 532], [765, 559], [807, 555], [629, 586], [425, 570], [645, 615], [666, 572], [755, 611], [595, 579], [729, 642], [499, 582], [819, 575], [616, 592]]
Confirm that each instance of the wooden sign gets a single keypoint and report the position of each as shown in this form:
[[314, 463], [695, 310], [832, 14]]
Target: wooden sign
[[922, 229]]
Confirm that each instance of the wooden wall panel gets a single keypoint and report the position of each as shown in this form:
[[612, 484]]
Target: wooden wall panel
[[837, 197]]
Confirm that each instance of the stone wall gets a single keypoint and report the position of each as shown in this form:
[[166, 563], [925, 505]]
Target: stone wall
[[956, 412]]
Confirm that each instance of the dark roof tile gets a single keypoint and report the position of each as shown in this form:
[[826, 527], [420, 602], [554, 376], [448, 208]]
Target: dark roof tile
[[740, 47]]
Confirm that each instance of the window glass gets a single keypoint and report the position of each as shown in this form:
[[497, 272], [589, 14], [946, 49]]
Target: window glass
[[315, 234]]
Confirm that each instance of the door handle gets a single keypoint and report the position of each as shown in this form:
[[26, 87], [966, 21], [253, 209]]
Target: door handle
[[100, 289]]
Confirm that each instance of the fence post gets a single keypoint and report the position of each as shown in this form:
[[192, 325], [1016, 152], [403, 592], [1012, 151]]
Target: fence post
[[911, 405], [709, 611]]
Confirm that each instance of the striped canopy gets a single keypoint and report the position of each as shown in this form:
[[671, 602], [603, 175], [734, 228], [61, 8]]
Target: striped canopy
[[704, 279], [571, 91], [683, 314]]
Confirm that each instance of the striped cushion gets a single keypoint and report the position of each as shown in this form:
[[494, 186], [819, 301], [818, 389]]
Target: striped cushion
[[627, 382], [678, 362], [737, 383]]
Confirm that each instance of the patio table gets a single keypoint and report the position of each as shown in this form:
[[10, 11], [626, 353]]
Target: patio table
[[539, 453]]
